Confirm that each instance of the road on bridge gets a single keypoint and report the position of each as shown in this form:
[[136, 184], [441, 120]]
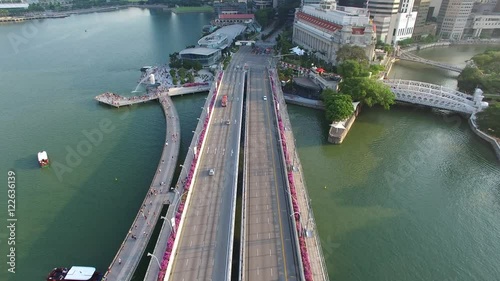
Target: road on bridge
[[205, 247], [269, 251]]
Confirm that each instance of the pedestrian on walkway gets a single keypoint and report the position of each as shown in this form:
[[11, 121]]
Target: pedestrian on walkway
[[119, 261]]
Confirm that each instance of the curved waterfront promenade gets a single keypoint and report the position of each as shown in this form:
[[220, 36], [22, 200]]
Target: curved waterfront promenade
[[132, 249]]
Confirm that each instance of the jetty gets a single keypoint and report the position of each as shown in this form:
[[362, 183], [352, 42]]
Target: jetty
[[132, 250], [118, 100]]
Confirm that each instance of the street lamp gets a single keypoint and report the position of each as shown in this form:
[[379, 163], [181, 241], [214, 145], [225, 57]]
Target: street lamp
[[169, 223], [157, 261], [183, 169]]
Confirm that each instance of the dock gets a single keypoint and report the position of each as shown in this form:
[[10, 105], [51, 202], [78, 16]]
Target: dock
[[132, 250], [118, 100]]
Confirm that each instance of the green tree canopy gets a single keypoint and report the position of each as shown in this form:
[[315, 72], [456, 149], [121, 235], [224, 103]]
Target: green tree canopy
[[337, 107], [348, 52], [469, 79], [368, 91], [352, 68], [489, 120]]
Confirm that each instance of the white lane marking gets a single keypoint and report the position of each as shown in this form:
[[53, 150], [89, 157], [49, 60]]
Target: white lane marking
[[232, 152], [208, 150], [215, 151], [257, 220], [257, 235], [269, 235], [191, 243], [196, 213], [267, 207], [187, 260], [194, 227], [270, 252], [271, 272]]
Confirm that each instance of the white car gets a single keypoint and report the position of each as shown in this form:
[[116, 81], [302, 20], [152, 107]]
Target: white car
[[265, 98], [211, 172]]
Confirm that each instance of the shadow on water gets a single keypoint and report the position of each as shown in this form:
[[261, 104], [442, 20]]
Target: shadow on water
[[27, 163]]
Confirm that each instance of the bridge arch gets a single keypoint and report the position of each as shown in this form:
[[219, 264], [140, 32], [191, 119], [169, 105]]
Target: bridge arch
[[436, 96]]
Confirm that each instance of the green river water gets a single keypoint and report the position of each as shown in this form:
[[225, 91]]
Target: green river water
[[411, 194]]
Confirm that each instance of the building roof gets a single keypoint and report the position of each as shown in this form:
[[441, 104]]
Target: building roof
[[236, 16], [42, 155], [80, 273], [198, 51], [317, 22], [232, 30]]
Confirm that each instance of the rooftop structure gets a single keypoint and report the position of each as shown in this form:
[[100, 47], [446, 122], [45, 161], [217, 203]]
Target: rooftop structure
[[205, 56], [229, 19], [222, 38], [80, 273]]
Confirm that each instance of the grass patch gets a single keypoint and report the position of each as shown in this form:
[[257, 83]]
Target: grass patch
[[202, 9]]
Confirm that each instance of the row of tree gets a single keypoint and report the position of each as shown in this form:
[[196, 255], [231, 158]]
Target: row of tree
[[356, 85], [485, 74]]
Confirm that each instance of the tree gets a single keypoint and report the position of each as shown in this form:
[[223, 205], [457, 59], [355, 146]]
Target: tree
[[352, 68], [337, 107], [368, 91], [469, 79], [489, 120], [348, 52]]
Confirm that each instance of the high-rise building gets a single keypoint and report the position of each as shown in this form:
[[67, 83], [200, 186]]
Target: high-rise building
[[422, 28], [384, 14], [405, 21], [452, 18]]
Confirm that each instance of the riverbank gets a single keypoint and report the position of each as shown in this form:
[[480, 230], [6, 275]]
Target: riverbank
[[491, 140]]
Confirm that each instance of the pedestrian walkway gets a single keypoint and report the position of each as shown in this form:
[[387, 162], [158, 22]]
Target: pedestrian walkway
[[132, 250], [318, 266]]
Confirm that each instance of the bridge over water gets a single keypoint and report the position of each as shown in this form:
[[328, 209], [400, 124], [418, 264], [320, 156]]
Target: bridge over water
[[436, 96], [414, 58]]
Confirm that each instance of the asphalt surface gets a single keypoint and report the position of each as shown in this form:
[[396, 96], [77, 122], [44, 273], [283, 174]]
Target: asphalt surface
[[205, 248], [269, 247]]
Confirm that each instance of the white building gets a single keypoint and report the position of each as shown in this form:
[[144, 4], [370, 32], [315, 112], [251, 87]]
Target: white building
[[384, 14], [452, 18], [325, 28], [405, 22]]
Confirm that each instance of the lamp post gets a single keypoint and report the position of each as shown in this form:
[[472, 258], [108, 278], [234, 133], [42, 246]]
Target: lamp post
[[157, 261], [169, 223]]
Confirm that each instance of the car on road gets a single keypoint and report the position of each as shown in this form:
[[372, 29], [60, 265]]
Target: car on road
[[228, 122], [211, 172], [265, 98]]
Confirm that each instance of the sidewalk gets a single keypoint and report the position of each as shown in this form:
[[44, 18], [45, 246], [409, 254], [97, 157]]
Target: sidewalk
[[318, 266]]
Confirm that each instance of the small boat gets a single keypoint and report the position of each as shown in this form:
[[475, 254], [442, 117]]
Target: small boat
[[43, 159], [75, 273], [144, 68]]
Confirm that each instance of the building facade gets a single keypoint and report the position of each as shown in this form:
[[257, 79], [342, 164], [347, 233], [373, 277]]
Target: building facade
[[422, 29], [325, 28], [405, 21], [452, 18], [483, 21], [384, 14], [230, 8]]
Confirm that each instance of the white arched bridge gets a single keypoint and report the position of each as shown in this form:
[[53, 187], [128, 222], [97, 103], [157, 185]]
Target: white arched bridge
[[414, 58], [436, 96]]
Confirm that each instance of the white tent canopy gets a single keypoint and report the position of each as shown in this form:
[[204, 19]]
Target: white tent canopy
[[298, 51]]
